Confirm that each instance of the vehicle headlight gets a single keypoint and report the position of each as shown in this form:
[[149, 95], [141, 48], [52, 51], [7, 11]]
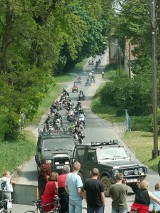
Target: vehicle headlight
[[125, 173], [136, 171], [48, 161], [141, 171], [56, 163], [66, 162]]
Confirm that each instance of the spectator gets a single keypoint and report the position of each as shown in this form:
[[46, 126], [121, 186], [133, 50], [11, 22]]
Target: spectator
[[142, 198], [73, 187], [156, 207], [44, 174], [63, 195], [6, 186], [118, 193], [94, 193], [50, 192]]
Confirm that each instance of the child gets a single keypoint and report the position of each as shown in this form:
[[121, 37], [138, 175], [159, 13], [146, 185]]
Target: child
[[6, 185], [6, 188], [156, 206]]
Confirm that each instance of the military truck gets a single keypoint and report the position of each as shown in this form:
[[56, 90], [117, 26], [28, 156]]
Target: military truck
[[110, 158], [55, 149]]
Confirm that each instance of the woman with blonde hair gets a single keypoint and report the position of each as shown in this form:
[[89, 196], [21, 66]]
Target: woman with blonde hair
[[142, 198], [50, 192]]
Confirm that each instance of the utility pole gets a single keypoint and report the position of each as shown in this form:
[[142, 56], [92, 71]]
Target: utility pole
[[129, 61], [154, 81]]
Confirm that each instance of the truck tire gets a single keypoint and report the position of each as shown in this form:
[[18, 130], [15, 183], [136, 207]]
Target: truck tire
[[106, 183]]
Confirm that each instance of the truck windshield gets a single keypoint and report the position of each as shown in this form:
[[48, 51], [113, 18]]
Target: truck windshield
[[112, 153], [58, 144]]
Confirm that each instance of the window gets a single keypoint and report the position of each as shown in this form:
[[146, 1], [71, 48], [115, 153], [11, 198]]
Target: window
[[80, 154], [91, 156]]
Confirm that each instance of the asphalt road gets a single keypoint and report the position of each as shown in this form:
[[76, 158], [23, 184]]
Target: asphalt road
[[96, 130]]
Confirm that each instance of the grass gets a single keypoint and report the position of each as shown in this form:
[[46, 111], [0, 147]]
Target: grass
[[142, 144], [81, 64], [110, 75], [14, 153]]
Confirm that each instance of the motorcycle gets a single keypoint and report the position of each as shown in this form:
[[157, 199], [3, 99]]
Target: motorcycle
[[78, 137], [81, 97], [81, 119], [71, 118], [74, 88], [88, 82], [93, 79]]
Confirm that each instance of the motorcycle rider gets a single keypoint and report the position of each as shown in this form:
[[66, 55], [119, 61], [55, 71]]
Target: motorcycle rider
[[79, 79], [64, 92], [81, 95], [81, 117], [78, 106]]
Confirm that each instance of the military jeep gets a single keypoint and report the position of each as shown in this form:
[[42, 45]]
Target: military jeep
[[110, 158], [55, 149]]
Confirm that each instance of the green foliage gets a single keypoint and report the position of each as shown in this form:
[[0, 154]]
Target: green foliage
[[141, 123], [38, 39], [14, 153], [131, 94], [106, 111], [134, 23]]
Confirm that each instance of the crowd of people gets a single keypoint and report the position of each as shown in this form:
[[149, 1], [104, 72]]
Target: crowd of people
[[68, 186], [71, 191]]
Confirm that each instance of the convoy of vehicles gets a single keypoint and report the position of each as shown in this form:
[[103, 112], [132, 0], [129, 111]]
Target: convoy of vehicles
[[61, 147]]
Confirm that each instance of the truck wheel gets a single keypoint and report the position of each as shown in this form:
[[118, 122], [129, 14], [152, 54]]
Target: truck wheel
[[106, 183]]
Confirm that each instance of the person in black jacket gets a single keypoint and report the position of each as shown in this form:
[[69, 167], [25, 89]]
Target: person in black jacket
[[94, 193]]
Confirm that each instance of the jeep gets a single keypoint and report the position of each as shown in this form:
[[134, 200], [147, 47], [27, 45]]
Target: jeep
[[110, 158], [55, 149]]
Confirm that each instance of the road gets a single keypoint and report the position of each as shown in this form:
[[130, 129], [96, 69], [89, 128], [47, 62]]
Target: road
[[96, 130]]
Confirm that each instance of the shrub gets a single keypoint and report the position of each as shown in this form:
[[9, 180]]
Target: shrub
[[141, 123], [131, 94]]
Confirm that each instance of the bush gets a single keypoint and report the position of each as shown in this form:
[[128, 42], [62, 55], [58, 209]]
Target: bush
[[141, 123], [131, 94]]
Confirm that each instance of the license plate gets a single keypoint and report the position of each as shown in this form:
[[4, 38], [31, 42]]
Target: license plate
[[59, 167], [131, 180]]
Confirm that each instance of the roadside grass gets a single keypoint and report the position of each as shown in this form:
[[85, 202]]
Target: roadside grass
[[110, 75], [142, 145], [81, 64], [14, 153]]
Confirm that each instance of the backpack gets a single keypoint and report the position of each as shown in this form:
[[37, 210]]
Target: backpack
[[3, 185]]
